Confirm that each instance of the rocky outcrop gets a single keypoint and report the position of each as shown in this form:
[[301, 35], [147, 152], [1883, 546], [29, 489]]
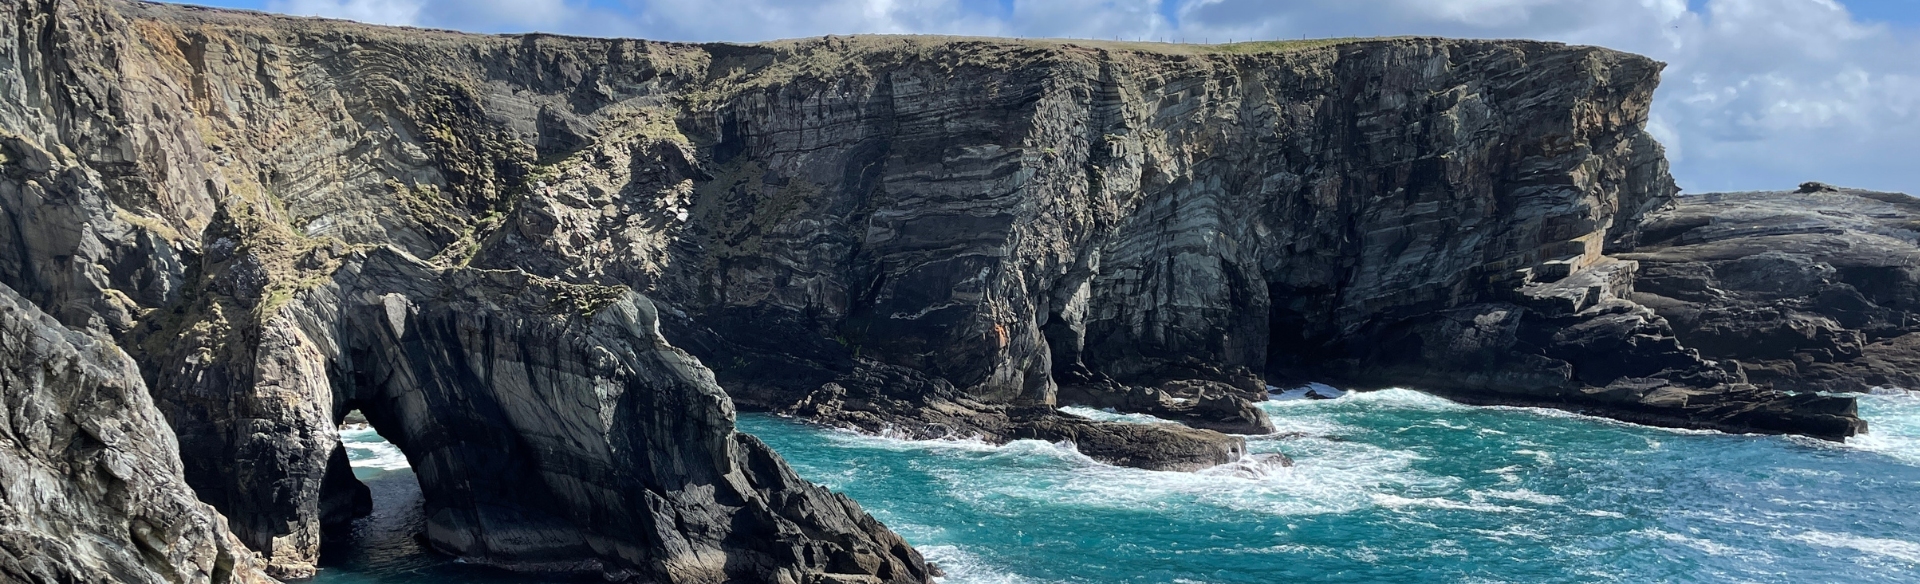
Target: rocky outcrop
[[1579, 344], [552, 427], [91, 488], [154, 190], [1042, 223], [282, 219], [1810, 290], [1209, 405], [896, 401]]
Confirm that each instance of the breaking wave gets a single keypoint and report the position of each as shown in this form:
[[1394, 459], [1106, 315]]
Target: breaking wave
[[367, 449], [1391, 485]]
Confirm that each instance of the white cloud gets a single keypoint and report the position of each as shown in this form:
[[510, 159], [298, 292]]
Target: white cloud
[[1759, 93], [753, 20], [395, 12], [1131, 19]]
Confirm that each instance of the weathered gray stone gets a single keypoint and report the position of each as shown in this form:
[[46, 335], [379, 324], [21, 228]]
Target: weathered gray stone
[[930, 236], [1813, 290], [552, 427], [91, 488], [207, 186]]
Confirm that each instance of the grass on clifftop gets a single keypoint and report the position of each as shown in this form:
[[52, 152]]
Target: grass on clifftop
[[1245, 48], [870, 42]]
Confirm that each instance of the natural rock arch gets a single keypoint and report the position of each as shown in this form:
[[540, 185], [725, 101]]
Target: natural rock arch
[[552, 428]]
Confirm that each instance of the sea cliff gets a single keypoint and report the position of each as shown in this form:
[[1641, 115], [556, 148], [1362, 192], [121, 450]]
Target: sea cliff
[[549, 267]]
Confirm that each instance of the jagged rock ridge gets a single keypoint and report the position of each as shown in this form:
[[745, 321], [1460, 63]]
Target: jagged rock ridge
[[284, 219]]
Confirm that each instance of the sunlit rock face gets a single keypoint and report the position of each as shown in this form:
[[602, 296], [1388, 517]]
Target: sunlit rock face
[[169, 181], [1811, 290], [499, 246], [91, 488]]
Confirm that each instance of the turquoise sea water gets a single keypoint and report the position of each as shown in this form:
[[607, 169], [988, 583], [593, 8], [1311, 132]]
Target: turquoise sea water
[[1388, 486]]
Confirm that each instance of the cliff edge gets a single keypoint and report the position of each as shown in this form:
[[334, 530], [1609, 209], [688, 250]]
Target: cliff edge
[[536, 261]]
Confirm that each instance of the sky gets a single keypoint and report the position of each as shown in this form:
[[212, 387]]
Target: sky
[[1757, 95]]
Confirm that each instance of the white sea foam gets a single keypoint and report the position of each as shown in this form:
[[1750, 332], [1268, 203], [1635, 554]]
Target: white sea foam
[[1566, 415], [1391, 501], [1510, 533], [963, 567], [1329, 475], [1702, 544], [1108, 415], [1543, 457], [1296, 423], [1894, 549], [1406, 399], [367, 449], [1062, 452], [1320, 417], [895, 443], [1521, 495], [1507, 474], [1300, 393], [1893, 424], [1251, 467], [1335, 478]]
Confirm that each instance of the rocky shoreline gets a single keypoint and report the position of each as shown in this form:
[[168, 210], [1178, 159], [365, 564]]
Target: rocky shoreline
[[548, 268]]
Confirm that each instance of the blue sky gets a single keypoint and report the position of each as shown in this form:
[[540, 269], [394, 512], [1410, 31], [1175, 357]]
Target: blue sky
[[1759, 94]]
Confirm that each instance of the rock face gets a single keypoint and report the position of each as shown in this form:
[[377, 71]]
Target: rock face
[[150, 172], [1042, 223], [1811, 290], [91, 488], [552, 427], [470, 238]]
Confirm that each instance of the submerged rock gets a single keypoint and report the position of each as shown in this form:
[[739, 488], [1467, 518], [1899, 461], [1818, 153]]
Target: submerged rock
[[1256, 466]]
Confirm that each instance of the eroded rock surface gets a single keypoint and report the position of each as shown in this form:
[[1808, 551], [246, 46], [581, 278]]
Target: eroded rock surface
[[281, 219], [91, 488], [245, 226], [1810, 290], [553, 428]]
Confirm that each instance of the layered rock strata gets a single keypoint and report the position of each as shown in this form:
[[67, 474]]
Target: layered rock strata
[[551, 427], [282, 219], [1810, 290], [148, 170], [91, 487], [1015, 218]]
